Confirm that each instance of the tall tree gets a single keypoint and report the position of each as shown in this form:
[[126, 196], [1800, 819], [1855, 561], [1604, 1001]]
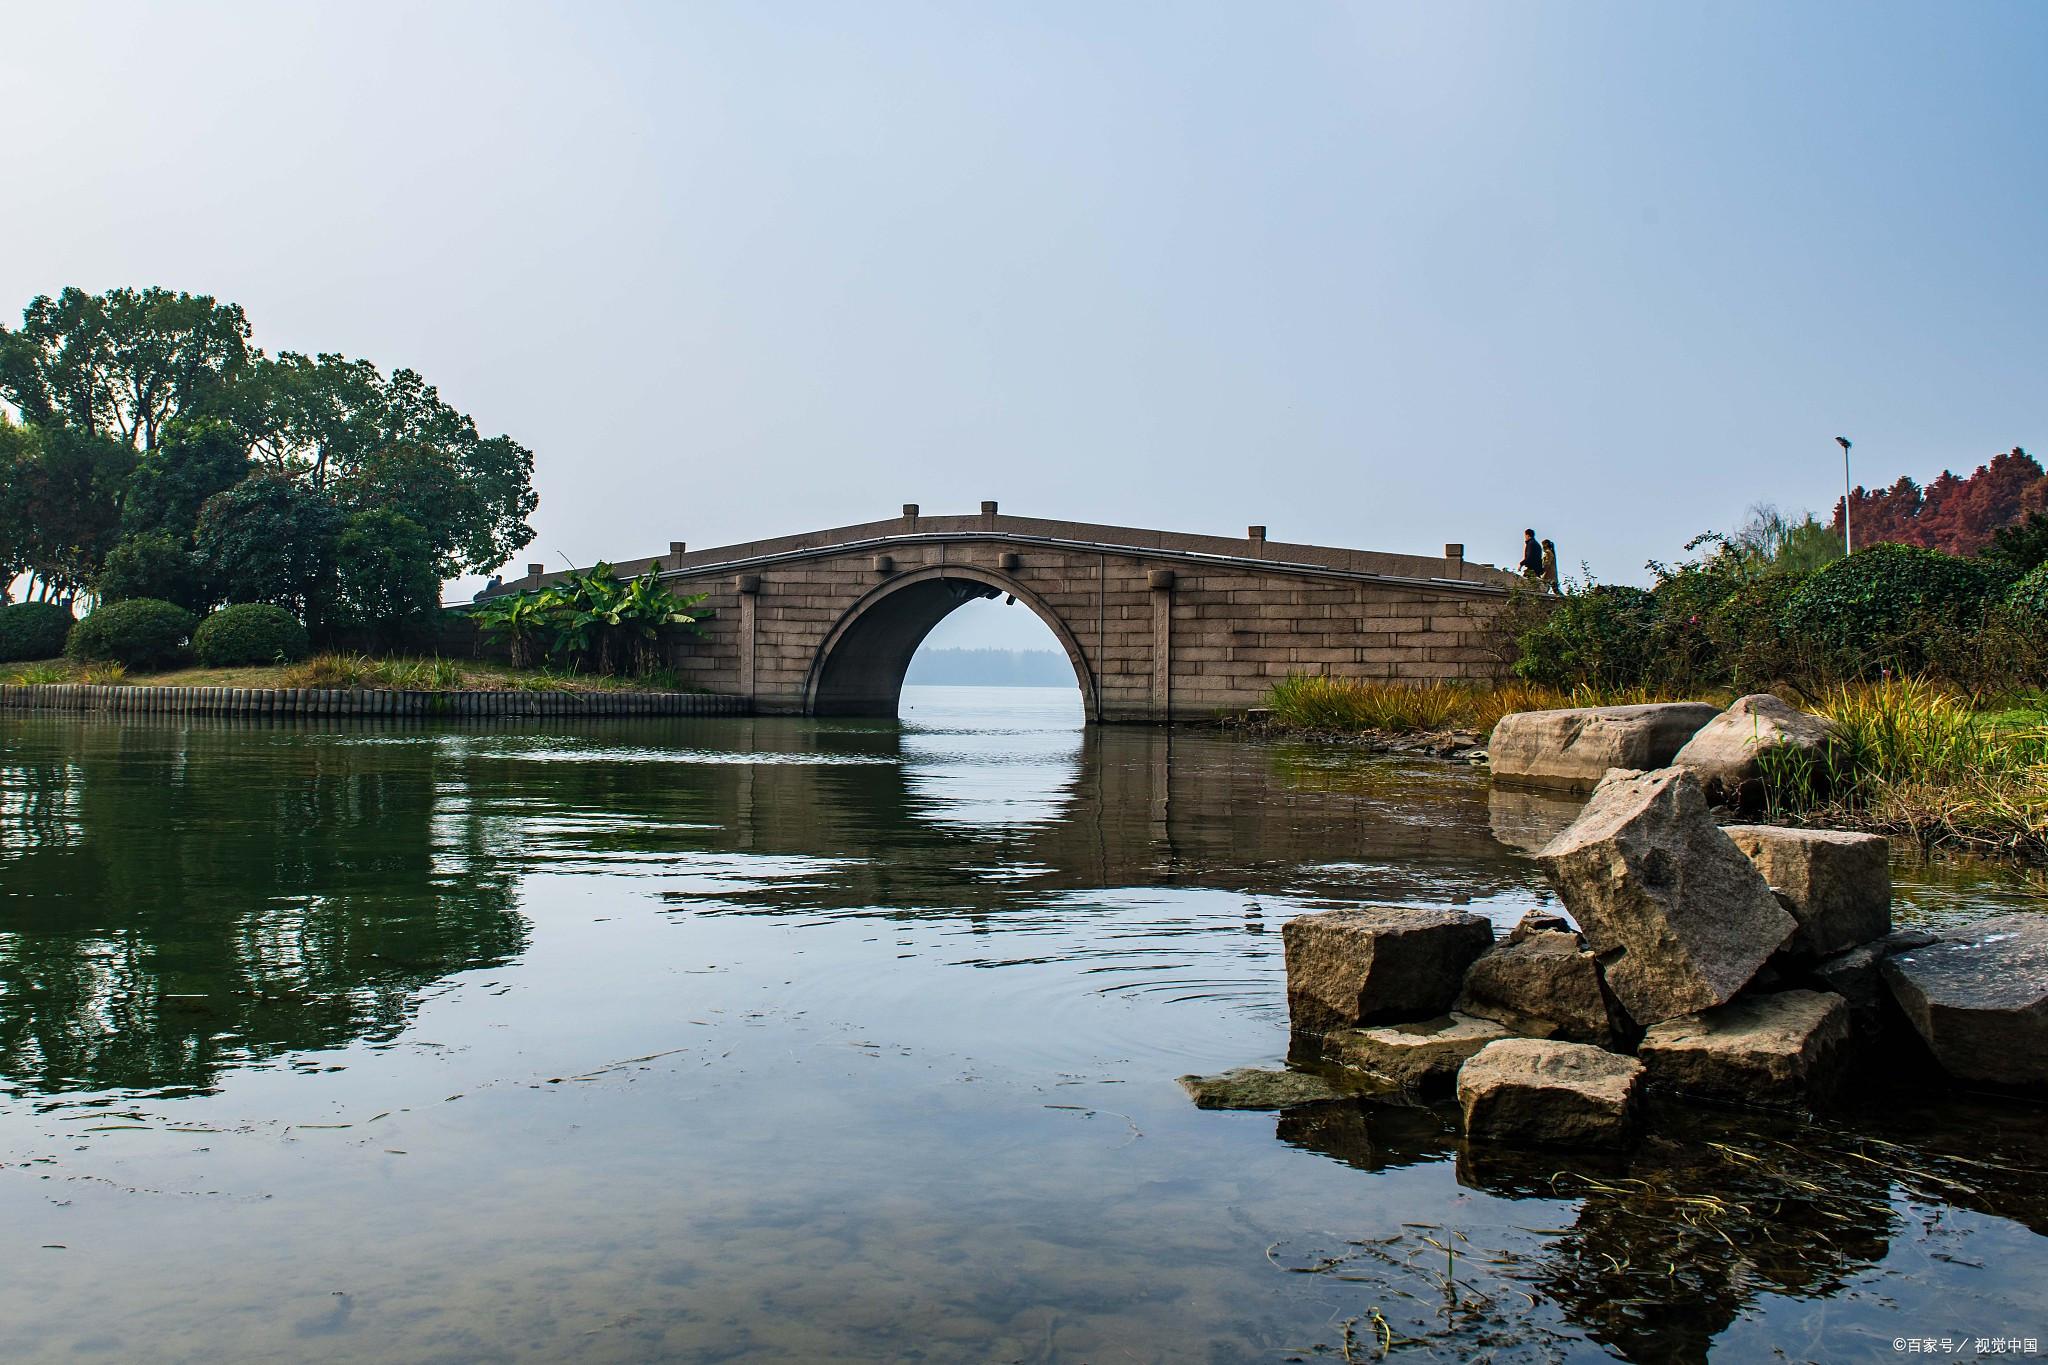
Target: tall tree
[[63, 505], [196, 458], [1957, 516], [269, 539], [393, 444], [123, 363]]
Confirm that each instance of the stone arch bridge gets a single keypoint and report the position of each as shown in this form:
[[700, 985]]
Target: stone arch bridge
[[1159, 625]]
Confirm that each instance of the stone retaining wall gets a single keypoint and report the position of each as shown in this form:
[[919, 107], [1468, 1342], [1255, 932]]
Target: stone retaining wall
[[359, 701]]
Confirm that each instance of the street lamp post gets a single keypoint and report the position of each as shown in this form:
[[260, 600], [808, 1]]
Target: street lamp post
[[1848, 532]]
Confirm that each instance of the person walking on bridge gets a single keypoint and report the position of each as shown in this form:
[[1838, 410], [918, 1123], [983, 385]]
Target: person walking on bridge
[[1550, 567], [1532, 556]]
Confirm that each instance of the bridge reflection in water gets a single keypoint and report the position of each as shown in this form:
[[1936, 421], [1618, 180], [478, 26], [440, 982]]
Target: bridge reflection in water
[[183, 898]]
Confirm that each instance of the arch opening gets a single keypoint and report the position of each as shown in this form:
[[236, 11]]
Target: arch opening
[[860, 669]]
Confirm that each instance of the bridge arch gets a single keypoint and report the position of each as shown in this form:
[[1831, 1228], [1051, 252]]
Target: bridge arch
[[859, 668]]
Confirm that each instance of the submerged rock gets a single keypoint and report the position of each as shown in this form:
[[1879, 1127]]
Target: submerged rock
[[1853, 974], [1423, 1056], [1551, 1093], [1837, 885], [1679, 919], [1571, 750], [1728, 753], [1540, 984], [1251, 1087], [1377, 964], [1979, 998], [1783, 1051]]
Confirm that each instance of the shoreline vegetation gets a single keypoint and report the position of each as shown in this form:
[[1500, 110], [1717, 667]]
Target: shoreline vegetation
[[1927, 648], [1918, 761]]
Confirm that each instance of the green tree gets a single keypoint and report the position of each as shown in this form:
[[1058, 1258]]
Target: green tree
[[62, 506], [151, 564], [194, 459], [388, 582], [392, 443], [269, 539], [2021, 547], [124, 363]]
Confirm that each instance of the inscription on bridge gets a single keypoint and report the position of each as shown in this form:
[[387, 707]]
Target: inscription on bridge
[[1158, 625]]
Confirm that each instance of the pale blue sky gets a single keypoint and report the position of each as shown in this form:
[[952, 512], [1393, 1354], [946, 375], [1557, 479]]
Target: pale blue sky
[[1372, 275]]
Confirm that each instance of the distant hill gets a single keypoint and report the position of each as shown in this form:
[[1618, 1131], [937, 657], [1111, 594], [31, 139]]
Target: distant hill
[[990, 668]]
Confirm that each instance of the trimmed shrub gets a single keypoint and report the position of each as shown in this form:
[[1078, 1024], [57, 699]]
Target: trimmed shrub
[[142, 632], [2030, 594], [1601, 637], [250, 633], [1878, 606], [33, 630]]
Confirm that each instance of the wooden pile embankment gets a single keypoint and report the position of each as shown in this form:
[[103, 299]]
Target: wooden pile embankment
[[359, 701]]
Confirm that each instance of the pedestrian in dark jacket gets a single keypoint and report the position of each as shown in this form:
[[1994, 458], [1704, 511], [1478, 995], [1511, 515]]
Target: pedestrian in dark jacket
[[1532, 556]]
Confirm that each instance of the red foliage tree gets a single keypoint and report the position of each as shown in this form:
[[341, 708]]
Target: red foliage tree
[[1955, 516]]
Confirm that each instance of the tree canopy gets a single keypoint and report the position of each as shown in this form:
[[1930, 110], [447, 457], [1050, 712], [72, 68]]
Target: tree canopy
[[141, 428], [1954, 515]]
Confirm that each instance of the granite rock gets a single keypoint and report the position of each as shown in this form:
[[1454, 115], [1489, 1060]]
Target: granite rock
[[1422, 1056], [1979, 998], [1377, 964], [1679, 919], [1836, 884], [1784, 1051], [1727, 754], [1572, 750], [1250, 1087], [1542, 1091], [1542, 984]]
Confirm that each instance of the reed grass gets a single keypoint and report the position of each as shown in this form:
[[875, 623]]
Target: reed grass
[[1939, 767], [1358, 706]]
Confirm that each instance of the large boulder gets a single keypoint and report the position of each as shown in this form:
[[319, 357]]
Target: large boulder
[[1377, 964], [1541, 984], [1540, 1090], [1678, 918], [1730, 752], [1421, 1056], [1571, 750], [1979, 998], [1836, 884], [1784, 1051]]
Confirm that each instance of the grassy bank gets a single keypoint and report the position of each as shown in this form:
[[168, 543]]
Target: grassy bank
[[1918, 761], [398, 673], [1346, 706]]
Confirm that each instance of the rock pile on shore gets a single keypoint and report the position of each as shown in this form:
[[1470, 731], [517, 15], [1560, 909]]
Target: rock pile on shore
[[1746, 965]]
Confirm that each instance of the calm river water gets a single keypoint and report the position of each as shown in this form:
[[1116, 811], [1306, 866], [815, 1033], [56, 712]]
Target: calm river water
[[763, 1040]]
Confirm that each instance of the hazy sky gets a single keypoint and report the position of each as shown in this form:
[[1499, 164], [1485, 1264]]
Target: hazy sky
[[1373, 275]]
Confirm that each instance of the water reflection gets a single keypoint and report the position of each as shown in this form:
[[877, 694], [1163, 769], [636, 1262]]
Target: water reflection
[[827, 1041], [174, 901]]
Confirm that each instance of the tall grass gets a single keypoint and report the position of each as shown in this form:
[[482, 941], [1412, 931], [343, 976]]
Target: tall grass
[[1930, 764], [1354, 705]]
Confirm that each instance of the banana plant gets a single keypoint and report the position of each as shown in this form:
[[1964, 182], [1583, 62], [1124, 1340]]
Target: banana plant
[[593, 617]]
